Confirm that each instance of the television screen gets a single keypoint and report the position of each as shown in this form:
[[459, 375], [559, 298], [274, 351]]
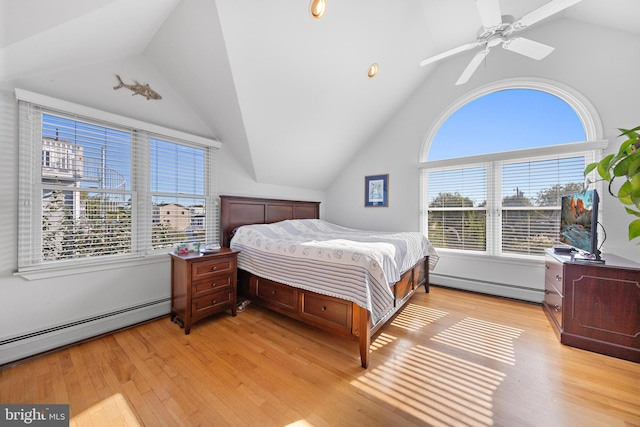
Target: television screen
[[579, 221]]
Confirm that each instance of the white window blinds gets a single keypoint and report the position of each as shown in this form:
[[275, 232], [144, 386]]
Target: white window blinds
[[502, 204], [92, 187], [457, 200]]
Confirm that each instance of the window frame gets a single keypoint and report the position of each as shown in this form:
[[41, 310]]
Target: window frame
[[493, 163], [592, 148], [30, 187]]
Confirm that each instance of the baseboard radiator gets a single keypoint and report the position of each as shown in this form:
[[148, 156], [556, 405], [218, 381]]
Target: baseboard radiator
[[486, 287], [40, 341]]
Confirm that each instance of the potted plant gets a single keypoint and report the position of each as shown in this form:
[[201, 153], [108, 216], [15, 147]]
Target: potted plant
[[626, 163]]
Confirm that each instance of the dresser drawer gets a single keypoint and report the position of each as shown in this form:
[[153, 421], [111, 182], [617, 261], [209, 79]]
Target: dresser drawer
[[553, 273], [205, 269], [211, 284], [554, 301], [212, 303], [276, 294], [329, 311]]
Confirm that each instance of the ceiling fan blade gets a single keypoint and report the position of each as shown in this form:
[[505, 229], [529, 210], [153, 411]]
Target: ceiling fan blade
[[489, 11], [472, 67], [448, 53], [527, 47], [543, 12]]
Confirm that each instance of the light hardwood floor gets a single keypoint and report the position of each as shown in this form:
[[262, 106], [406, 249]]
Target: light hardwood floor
[[450, 358]]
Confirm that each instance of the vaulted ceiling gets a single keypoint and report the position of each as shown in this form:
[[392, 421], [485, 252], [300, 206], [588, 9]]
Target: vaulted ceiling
[[287, 94]]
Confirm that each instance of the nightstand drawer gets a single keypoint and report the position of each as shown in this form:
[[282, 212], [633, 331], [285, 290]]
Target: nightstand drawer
[[203, 306], [204, 269], [211, 284], [202, 285]]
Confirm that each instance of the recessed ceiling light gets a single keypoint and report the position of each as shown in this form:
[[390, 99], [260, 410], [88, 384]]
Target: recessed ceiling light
[[317, 8], [373, 70]]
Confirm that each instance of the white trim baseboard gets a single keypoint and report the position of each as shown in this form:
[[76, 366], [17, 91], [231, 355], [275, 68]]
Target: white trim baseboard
[[36, 342], [490, 288]]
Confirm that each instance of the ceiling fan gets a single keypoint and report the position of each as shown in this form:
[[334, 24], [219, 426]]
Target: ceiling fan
[[498, 29]]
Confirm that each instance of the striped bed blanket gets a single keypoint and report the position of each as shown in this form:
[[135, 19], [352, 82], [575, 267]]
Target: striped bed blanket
[[316, 255]]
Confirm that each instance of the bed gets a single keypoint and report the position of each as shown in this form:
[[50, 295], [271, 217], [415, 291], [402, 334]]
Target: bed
[[348, 282]]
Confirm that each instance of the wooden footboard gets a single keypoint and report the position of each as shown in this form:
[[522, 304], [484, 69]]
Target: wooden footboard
[[332, 314]]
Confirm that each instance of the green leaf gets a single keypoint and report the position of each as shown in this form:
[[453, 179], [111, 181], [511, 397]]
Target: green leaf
[[604, 166], [631, 133], [634, 189], [634, 229], [632, 212], [622, 152], [590, 167], [634, 166], [624, 193], [622, 168]]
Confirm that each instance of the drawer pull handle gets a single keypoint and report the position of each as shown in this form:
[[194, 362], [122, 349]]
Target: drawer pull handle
[[273, 292], [214, 301], [214, 268], [558, 278], [214, 284], [557, 307], [323, 308]]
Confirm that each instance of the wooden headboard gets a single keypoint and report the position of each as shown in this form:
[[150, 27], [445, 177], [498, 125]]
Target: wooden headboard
[[236, 211]]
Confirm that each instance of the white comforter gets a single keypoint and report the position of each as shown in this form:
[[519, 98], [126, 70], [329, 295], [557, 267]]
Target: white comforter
[[319, 256]]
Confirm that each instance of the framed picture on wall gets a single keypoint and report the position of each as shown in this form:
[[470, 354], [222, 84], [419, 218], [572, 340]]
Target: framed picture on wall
[[376, 190]]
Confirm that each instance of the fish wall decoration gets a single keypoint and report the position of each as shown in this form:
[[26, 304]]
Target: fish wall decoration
[[138, 89]]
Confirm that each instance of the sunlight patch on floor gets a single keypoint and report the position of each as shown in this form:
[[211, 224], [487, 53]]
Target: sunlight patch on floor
[[434, 387], [486, 339], [414, 317], [382, 340], [102, 413]]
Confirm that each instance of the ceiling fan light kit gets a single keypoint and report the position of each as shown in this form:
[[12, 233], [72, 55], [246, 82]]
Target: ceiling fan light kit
[[498, 29]]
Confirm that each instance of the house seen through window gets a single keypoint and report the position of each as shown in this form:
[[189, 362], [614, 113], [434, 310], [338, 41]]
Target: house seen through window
[[108, 189], [496, 170]]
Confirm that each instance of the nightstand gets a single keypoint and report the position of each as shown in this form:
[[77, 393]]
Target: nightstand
[[202, 285]]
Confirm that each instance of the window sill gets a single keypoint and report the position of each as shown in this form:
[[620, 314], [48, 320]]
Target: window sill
[[531, 260], [46, 272]]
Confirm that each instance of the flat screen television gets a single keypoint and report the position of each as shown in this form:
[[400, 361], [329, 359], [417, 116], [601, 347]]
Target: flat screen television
[[579, 222]]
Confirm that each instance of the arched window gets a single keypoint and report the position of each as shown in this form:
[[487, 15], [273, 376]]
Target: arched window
[[497, 162]]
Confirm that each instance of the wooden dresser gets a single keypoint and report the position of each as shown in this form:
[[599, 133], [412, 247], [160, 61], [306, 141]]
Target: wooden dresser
[[594, 306], [202, 285]]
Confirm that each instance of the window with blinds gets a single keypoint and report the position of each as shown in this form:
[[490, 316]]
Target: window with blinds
[[530, 201], [457, 214], [178, 194], [503, 206], [92, 188]]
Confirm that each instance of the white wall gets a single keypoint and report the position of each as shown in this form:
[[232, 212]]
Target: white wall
[[599, 63], [140, 292]]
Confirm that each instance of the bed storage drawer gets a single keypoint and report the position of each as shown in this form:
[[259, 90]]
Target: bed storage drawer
[[326, 310], [276, 294]]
